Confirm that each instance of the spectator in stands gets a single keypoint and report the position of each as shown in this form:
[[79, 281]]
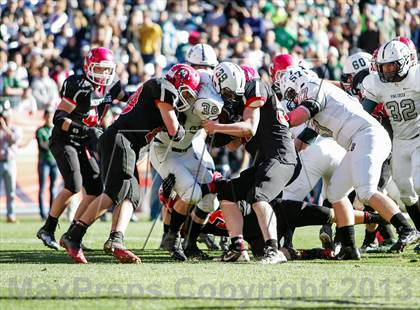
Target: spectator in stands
[[9, 138], [47, 167], [11, 84], [150, 39], [27, 103], [45, 90]]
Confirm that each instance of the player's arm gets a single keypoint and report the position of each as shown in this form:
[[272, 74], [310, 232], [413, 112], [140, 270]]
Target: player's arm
[[305, 138], [244, 129], [369, 105], [61, 119], [370, 99], [170, 120]]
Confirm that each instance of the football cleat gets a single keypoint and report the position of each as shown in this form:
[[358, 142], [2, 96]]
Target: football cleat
[[193, 252], [369, 248], [48, 239], [73, 249], [348, 253], [162, 244], [172, 241], [208, 240], [325, 235], [406, 236], [417, 249], [125, 256], [224, 244], [235, 256], [273, 256], [235, 253]]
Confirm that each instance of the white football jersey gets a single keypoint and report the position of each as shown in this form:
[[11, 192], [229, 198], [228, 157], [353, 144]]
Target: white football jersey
[[339, 115], [207, 106], [401, 101]]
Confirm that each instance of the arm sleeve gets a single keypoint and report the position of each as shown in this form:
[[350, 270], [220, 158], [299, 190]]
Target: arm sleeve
[[369, 105], [255, 92], [166, 92], [69, 91], [308, 135]]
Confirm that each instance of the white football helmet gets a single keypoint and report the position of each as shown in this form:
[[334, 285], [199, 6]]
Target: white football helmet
[[229, 81], [353, 65], [202, 55], [396, 53], [293, 83]]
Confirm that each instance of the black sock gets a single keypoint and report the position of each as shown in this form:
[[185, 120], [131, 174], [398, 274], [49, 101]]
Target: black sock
[[194, 231], [177, 220], [51, 224], [71, 225], [346, 235], [165, 228], [238, 243], [414, 213], [288, 238], [386, 231], [373, 218], [369, 237], [117, 236], [399, 222], [272, 243], [77, 232], [368, 208]]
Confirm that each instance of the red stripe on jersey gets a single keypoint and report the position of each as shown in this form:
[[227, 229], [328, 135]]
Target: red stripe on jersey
[[253, 99], [69, 101]]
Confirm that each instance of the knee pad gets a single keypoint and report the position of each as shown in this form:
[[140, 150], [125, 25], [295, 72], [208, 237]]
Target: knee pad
[[127, 189], [408, 200], [192, 195], [364, 193], [201, 214], [73, 183], [209, 203]]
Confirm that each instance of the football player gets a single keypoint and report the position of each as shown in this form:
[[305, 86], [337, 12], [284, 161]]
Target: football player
[[333, 113], [396, 84], [75, 134], [191, 164], [290, 214], [267, 138], [356, 67], [149, 110]]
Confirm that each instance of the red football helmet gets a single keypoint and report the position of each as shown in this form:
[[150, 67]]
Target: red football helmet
[[186, 80], [250, 73], [279, 64], [411, 47], [99, 66]]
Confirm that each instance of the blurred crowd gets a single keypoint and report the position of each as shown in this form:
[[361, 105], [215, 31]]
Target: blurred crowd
[[43, 42]]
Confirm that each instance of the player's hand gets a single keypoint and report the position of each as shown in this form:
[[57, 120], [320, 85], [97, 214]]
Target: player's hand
[[210, 126], [94, 132], [167, 185]]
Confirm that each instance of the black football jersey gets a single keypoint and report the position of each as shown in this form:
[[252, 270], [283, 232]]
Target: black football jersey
[[273, 138], [141, 119], [89, 104]]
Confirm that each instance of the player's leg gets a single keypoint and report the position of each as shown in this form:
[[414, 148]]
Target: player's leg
[[69, 166], [270, 179], [414, 209], [338, 188], [372, 147], [121, 216], [230, 196]]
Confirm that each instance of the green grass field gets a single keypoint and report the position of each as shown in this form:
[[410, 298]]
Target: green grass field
[[34, 277]]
